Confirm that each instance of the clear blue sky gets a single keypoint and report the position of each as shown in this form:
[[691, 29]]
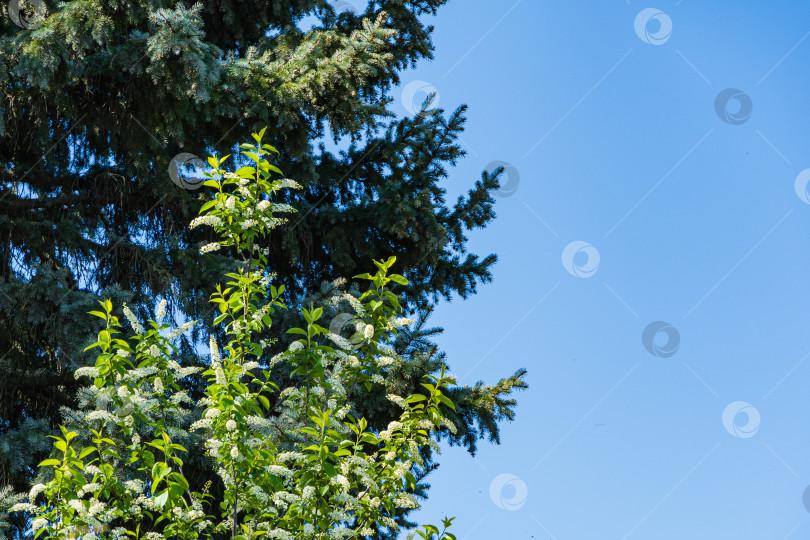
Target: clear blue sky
[[695, 218]]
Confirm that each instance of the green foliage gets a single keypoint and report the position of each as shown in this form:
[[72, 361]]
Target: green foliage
[[98, 96], [318, 470]]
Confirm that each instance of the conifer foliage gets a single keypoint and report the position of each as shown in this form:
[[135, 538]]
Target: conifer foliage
[[96, 99]]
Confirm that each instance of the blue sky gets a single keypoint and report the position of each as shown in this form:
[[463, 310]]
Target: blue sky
[[691, 207]]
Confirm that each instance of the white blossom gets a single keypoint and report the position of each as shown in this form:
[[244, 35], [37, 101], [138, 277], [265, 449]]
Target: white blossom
[[99, 415], [210, 248], [401, 321], [182, 329], [22, 507], [36, 490], [397, 400], [86, 372], [136, 325], [160, 312], [213, 221]]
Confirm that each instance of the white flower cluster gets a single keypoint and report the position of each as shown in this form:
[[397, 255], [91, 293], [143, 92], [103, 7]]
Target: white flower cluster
[[86, 372], [279, 470], [136, 325], [213, 221], [99, 415], [340, 341], [35, 491], [202, 423], [160, 312], [400, 321], [182, 329], [398, 400], [385, 361], [135, 487], [210, 248]]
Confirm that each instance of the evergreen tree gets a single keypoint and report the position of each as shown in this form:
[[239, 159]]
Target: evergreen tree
[[99, 96]]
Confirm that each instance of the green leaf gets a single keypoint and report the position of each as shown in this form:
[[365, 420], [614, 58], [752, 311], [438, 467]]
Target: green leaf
[[396, 278], [297, 331], [161, 498], [447, 401], [49, 463]]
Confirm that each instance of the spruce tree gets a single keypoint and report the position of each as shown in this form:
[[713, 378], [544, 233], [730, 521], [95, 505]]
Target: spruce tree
[[97, 99]]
